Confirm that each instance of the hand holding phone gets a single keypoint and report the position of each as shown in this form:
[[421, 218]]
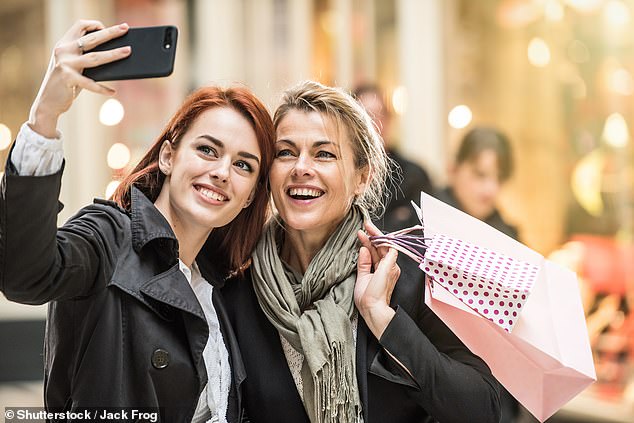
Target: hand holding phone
[[153, 54], [64, 80]]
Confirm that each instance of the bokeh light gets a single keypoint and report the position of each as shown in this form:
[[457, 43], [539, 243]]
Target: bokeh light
[[5, 136], [460, 116], [111, 112], [118, 156], [111, 187], [538, 52], [615, 132]]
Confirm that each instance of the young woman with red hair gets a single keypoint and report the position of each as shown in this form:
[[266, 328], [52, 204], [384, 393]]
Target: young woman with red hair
[[135, 319]]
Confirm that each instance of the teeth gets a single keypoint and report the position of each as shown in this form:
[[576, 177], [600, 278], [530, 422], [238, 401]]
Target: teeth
[[305, 192], [212, 194]]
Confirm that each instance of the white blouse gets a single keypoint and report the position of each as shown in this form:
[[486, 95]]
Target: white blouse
[[212, 404]]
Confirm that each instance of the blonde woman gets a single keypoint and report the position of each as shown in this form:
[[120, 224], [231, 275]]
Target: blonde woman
[[324, 337]]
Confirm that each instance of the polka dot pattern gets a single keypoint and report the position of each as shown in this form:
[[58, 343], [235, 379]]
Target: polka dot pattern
[[494, 285]]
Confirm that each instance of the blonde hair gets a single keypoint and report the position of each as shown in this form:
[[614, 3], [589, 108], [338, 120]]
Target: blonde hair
[[311, 96]]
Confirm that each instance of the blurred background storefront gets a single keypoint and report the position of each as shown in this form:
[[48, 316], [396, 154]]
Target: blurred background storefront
[[555, 75]]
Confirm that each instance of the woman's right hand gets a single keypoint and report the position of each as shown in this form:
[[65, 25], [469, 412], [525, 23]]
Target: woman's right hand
[[63, 79]]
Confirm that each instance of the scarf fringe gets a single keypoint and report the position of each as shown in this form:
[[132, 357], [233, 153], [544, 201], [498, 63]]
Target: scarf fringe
[[336, 401]]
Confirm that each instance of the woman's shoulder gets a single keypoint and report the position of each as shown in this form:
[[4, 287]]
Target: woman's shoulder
[[105, 209], [102, 217], [238, 292]]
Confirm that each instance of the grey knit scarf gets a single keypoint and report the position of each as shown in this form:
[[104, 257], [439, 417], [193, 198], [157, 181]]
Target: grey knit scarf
[[313, 313]]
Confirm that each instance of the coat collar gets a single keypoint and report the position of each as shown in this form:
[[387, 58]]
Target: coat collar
[[149, 224]]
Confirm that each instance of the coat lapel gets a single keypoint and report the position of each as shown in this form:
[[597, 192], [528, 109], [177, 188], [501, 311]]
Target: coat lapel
[[172, 289]]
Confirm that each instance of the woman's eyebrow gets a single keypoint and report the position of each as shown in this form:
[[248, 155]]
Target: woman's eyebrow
[[286, 141], [249, 156], [214, 140], [325, 142]]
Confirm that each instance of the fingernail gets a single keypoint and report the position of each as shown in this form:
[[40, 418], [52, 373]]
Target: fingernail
[[126, 49], [123, 26]]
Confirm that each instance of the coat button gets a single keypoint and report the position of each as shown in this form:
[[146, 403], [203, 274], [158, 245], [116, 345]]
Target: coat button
[[160, 358]]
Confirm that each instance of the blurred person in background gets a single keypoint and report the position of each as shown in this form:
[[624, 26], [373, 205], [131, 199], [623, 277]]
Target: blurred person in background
[[134, 318], [331, 329], [481, 166], [399, 212]]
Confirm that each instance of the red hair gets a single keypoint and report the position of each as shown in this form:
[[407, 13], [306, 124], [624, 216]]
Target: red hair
[[232, 244]]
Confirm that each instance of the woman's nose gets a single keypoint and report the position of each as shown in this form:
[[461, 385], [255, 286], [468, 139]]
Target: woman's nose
[[220, 171], [303, 165]]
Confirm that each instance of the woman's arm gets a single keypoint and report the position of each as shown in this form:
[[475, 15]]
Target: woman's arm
[[451, 383], [38, 262]]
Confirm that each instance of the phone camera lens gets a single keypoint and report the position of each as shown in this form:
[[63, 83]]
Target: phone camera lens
[[167, 40]]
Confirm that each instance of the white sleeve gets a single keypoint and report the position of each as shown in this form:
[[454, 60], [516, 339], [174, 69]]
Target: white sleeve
[[36, 155]]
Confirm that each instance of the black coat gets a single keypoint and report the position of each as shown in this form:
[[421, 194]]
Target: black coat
[[449, 383], [399, 213], [124, 327]]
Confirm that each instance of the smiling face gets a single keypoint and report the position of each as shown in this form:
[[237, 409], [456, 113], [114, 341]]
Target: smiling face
[[212, 172], [313, 178]]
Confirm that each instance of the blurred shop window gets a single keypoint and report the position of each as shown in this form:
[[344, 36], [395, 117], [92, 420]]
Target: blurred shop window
[[23, 60], [559, 75], [22, 63]]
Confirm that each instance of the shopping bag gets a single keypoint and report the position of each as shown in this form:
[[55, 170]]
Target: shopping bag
[[519, 312]]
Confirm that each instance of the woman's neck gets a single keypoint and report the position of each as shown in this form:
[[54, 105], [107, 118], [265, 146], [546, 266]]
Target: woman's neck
[[189, 244], [190, 238], [301, 246]]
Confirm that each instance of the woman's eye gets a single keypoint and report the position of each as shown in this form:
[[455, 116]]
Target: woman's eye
[[325, 155], [207, 150], [244, 166], [284, 153]]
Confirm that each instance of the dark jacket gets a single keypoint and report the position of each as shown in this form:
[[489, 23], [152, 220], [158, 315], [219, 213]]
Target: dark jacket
[[399, 213], [449, 383], [124, 327]]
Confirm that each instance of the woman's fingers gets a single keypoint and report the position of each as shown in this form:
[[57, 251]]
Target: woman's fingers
[[73, 66], [82, 26], [365, 241], [90, 85], [388, 268], [364, 263], [372, 230], [80, 40], [375, 288], [93, 39], [98, 58]]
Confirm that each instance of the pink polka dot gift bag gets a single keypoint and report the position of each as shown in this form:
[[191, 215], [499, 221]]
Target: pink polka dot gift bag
[[519, 312]]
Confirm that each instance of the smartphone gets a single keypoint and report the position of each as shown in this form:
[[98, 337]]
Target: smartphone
[[153, 53]]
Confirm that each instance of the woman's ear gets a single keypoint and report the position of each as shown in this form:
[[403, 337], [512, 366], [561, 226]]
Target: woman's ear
[[166, 156], [362, 181], [250, 200]]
